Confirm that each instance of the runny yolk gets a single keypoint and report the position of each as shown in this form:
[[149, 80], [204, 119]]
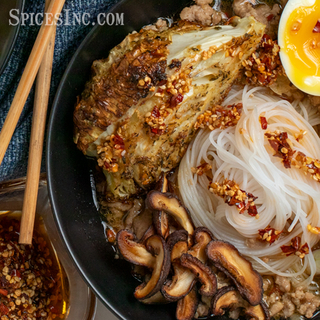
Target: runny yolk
[[302, 46]]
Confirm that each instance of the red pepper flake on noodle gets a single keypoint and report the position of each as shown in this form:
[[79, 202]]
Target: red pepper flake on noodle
[[296, 248], [264, 123], [200, 170], [234, 196], [308, 165], [278, 142], [269, 234]]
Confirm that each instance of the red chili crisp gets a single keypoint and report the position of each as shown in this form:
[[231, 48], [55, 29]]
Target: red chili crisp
[[264, 123]]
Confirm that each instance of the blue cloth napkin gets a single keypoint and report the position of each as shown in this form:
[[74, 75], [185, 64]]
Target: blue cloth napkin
[[68, 39]]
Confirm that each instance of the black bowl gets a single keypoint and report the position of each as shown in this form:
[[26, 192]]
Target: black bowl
[[68, 170]]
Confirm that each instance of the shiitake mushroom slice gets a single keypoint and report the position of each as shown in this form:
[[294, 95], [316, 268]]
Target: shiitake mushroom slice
[[158, 247], [149, 232], [133, 251], [226, 298], [202, 272], [157, 298], [183, 279], [187, 306], [202, 236], [259, 312], [228, 259], [160, 218], [169, 203], [176, 236]]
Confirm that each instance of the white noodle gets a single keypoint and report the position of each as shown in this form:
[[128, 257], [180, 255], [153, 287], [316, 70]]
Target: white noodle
[[287, 198]]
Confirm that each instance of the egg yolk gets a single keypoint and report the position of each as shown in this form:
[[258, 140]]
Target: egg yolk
[[302, 45]]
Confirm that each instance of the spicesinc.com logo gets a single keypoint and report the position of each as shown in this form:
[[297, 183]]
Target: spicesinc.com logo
[[66, 18]]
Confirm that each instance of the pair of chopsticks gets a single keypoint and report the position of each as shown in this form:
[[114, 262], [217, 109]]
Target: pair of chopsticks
[[42, 53]]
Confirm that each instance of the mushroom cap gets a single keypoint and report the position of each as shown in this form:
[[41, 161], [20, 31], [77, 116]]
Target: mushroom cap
[[202, 272], [228, 259], [133, 251], [187, 306], [169, 203], [226, 298]]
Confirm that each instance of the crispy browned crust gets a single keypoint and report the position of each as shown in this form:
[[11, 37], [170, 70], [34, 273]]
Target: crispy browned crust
[[108, 96]]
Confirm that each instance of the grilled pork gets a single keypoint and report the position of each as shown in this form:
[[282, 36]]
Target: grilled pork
[[138, 111]]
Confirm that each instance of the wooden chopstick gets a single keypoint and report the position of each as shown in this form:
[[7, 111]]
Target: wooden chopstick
[[28, 77], [36, 140]]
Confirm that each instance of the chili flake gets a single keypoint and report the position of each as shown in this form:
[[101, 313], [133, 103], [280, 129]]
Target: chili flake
[[269, 234], [30, 282], [296, 248], [201, 169], [308, 165], [234, 196], [264, 66], [155, 119], [278, 142], [112, 149], [264, 123], [220, 117]]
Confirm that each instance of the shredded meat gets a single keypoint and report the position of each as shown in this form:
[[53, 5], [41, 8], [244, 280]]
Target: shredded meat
[[202, 13], [263, 13]]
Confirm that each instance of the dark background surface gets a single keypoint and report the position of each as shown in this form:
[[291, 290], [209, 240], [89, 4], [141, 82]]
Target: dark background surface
[[68, 39]]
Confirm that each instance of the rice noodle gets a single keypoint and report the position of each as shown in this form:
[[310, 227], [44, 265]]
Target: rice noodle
[[287, 198]]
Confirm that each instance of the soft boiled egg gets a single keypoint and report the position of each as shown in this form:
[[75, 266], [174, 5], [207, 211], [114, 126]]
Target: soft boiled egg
[[299, 41]]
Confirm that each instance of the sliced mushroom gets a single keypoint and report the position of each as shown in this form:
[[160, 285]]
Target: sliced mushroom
[[259, 312], [187, 306], [226, 298], [160, 218], [202, 236], [157, 298], [176, 236], [163, 183], [182, 282], [203, 273], [161, 223], [169, 203], [228, 259], [149, 232], [161, 268], [132, 251], [183, 279]]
